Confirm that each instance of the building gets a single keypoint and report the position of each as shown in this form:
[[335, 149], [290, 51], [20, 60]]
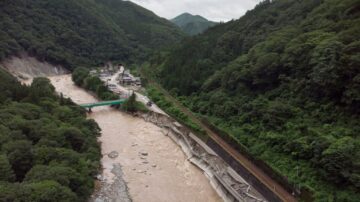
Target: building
[[127, 79], [137, 81], [93, 72]]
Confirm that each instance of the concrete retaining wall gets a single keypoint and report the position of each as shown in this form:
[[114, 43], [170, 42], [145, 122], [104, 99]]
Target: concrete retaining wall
[[225, 180], [252, 180]]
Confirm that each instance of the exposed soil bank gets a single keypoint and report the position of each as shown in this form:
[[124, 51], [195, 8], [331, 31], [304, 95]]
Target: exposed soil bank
[[25, 67], [153, 166]]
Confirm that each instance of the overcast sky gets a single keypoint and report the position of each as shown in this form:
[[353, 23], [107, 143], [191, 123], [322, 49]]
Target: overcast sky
[[216, 10]]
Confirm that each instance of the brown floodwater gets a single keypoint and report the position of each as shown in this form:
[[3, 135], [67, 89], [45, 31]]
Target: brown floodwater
[[154, 167]]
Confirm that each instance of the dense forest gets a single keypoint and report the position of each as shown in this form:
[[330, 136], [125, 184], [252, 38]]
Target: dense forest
[[82, 32], [48, 149], [284, 81], [192, 24]]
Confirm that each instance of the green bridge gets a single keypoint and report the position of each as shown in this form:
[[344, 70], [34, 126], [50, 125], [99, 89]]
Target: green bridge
[[103, 103]]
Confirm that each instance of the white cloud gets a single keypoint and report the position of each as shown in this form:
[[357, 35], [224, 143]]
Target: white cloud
[[216, 10]]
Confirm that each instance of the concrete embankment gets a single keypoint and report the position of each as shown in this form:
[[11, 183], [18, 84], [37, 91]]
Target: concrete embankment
[[229, 185], [257, 175]]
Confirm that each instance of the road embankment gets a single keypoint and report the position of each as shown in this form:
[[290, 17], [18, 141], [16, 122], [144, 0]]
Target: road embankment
[[229, 185], [261, 181]]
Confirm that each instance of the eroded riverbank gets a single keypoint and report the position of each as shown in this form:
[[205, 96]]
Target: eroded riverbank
[[153, 166]]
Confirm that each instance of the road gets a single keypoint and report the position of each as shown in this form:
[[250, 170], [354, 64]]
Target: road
[[126, 91], [245, 162], [251, 167]]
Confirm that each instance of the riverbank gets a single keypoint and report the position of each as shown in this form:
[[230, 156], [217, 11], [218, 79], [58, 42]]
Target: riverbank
[[153, 166]]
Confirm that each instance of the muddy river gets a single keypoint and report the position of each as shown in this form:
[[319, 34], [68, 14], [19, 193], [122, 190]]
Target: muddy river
[[148, 167]]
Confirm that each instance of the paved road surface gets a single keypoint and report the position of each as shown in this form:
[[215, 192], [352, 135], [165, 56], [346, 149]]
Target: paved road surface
[[126, 91]]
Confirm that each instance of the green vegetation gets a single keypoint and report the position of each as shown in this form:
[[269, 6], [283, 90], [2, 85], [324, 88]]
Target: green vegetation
[[82, 32], [192, 24], [131, 105], [81, 77], [160, 99], [48, 149], [284, 81]]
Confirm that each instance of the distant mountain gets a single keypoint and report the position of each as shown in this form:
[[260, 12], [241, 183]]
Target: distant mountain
[[192, 24], [82, 32]]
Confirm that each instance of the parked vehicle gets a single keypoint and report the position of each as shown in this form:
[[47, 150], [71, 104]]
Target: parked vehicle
[[149, 104]]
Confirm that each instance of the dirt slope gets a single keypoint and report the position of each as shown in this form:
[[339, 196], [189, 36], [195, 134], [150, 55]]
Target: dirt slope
[[26, 67]]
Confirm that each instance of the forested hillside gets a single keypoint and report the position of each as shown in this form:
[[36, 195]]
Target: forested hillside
[[48, 149], [192, 24], [82, 32], [284, 81]]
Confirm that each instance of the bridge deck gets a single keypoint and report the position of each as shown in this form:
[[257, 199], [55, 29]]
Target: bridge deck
[[104, 103]]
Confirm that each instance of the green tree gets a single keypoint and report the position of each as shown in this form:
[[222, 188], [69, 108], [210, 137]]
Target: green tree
[[92, 82], [6, 172], [79, 75], [130, 104], [20, 157], [329, 74], [339, 160], [44, 139], [48, 191], [74, 137], [9, 191], [41, 88], [63, 175]]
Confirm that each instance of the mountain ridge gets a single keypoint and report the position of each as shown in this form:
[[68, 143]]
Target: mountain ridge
[[84, 32], [192, 24], [283, 81]]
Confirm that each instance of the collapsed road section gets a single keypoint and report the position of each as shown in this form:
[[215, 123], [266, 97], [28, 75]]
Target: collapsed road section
[[229, 185]]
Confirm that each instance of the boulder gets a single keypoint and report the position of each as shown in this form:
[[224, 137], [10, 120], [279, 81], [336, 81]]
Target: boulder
[[113, 154]]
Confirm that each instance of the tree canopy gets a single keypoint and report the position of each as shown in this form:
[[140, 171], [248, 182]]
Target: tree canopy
[[283, 80], [48, 149], [82, 32]]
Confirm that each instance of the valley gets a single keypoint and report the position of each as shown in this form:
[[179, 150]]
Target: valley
[[109, 101], [153, 167]]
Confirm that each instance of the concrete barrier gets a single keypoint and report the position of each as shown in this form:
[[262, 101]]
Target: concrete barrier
[[244, 173]]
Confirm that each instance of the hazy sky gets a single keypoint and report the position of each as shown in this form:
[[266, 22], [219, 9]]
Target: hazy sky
[[216, 10]]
